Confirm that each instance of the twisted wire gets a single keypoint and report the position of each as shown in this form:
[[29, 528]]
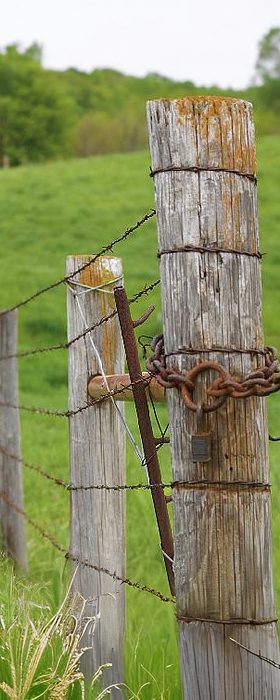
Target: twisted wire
[[65, 346]]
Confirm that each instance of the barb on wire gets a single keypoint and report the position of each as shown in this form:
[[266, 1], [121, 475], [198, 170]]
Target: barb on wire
[[64, 346], [34, 467], [82, 562], [90, 487], [46, 535], [255, 653], [103, 251], [127, 581], [134, 487]]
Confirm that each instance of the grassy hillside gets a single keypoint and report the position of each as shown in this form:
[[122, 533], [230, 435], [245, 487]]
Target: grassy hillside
[[47, 115], [48, 212]]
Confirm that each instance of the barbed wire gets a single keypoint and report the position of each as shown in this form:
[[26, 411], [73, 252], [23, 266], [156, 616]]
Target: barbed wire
[[90, 487], [65, 346], [82, 562], [69, 413], [33, 467], [106, 249], [135, 487]]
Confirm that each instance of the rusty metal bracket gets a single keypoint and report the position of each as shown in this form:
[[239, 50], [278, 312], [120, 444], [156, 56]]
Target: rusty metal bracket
[[145, 427]]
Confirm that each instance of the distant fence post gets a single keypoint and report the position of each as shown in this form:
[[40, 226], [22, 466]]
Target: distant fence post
[[97, 454], [12, 522], [203, 162]]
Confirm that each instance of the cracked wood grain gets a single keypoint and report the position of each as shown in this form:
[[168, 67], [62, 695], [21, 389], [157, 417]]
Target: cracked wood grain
[[97, 456], [222, 539]]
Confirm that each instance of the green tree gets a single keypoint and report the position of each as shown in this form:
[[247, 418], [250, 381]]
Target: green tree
[[36, 110], [268, 62]]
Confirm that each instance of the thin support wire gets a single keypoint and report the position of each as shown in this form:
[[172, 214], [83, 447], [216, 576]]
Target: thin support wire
[[99, 288]]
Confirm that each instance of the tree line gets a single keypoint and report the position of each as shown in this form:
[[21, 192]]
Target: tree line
[[47, 114]]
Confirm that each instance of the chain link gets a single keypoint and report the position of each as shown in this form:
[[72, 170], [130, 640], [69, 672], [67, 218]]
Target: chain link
[[260, 382]]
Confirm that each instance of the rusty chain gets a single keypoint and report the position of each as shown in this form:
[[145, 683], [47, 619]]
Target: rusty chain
[[260, 382]]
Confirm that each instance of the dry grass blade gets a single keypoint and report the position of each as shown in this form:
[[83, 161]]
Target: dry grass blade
[[39, 658]]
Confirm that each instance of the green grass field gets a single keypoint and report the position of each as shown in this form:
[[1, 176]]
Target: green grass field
[[48, 212]]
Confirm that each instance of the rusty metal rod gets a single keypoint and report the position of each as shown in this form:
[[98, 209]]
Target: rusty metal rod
[[148, 440]]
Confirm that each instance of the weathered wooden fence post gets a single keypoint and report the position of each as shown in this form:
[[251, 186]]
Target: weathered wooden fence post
[[203, 161], [97, 455], [12, 522]]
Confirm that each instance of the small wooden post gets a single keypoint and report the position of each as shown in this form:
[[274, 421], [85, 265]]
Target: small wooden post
[[203, 153], [12, 522], [97, 455]]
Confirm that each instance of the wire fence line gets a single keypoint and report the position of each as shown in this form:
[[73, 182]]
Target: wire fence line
[[134, 487], [70, 413], [106, 249], [80, 487], [76, 559], [4, 495], [64, 346]]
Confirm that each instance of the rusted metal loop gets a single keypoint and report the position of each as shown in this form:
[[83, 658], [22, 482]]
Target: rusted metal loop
[[178, 380], [165, 383], [157, 342], [192, 374]]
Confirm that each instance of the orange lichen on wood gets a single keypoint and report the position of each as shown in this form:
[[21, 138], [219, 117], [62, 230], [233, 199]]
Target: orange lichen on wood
[[102, 272], [222, 124]]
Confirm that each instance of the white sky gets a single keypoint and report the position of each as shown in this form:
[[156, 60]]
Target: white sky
[[208, 42]]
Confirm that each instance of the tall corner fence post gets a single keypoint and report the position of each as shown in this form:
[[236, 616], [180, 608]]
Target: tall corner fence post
[[97, 456], [11, 484], [203, 164]]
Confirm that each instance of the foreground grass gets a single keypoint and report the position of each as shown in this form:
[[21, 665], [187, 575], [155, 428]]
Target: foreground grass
[[47, 213], [40, 652]]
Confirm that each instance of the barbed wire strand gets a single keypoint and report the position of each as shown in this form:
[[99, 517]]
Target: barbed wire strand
[[71, 487], [134, 487], [69, 413], [64, 346], [82, 562], [106, 249]]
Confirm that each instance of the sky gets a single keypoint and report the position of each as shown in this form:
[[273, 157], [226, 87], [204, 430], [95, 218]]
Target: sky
[[208, 42]]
